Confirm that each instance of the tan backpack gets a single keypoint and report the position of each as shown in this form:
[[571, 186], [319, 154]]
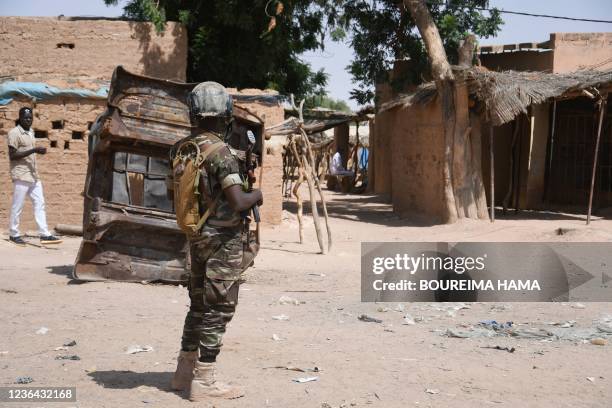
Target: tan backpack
[[187, 169]]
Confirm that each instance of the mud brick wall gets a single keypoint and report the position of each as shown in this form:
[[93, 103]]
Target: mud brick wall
[[417, 137], [62, 169], [61, 125], [271, 186], [40, 48]]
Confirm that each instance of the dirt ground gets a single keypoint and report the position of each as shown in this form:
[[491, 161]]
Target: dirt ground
[[359, 364]]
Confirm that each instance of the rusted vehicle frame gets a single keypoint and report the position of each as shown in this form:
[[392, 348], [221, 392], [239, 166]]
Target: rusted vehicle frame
[[124, 237]]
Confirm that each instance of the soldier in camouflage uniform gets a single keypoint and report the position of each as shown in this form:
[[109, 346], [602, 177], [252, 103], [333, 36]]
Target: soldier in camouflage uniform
[[218, 256]]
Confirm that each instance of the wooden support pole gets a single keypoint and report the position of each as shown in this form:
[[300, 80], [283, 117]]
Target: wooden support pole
[[602, 111], [508, 197], [296, 190], [492, 172], [320, 191], [551, 150]]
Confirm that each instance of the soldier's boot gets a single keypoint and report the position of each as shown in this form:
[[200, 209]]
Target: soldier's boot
[[184, 370], [205, 385]]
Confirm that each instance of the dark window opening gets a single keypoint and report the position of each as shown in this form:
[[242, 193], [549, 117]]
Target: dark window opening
[[65, 45], [57, 124], [41, 134], [140, 181], [66, 145], [54, 143], [77, 135]]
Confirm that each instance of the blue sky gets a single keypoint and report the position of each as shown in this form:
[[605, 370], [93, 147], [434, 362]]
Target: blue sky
[[336, 56]]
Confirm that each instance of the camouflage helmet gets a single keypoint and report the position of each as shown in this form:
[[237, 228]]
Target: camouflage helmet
[[210, 99]]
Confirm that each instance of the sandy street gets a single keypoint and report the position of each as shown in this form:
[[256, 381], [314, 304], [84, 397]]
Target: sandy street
[[357, 363]]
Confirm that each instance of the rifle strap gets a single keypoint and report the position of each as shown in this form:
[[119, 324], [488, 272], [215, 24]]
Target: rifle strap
[[215, 147]]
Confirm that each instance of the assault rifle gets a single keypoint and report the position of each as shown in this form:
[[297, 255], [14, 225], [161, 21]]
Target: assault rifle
[[251, 165]]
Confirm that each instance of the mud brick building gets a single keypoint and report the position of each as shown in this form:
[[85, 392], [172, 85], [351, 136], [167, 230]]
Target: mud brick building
[[544, 146], [68, 62]]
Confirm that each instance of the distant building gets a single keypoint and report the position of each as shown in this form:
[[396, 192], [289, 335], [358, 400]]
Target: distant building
[[562, 53]]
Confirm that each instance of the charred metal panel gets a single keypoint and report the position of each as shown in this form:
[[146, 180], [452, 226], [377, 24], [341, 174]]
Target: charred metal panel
[[129, 227]]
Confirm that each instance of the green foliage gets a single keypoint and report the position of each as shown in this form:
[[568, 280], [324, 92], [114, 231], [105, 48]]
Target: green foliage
[[324, 101], [229, 41], [382, 32]]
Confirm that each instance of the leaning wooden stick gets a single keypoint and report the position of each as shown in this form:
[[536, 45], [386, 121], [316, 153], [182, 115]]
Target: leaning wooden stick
[[313, 200], [296, 190], [318, 185]]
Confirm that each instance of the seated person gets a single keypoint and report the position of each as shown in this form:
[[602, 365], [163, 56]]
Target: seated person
[[336, 168]]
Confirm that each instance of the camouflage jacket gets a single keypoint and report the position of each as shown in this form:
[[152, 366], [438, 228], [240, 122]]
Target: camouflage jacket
[[220, 170]]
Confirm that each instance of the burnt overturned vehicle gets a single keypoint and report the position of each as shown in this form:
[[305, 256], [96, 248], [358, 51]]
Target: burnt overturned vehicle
[[129, 227]]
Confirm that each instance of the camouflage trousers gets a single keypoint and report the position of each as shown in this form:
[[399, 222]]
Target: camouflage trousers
[[216, 266]]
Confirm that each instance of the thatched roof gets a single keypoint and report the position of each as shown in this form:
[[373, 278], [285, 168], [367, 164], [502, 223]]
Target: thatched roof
[[507, 94]]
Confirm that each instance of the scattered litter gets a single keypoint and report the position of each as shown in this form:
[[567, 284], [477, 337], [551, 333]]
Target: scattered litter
[[578, 306], [42, 330], [466, 334], [24, 380], [564, 325], [591, 379], [598, 341], [72, 357], [601, 329], [500, 308], [293, 368], [369, 319], [305, 379], [494, 325], [531, 333], [280, 317], [286, 300], [276, 337], [8, 291], [409, 320], [604, 324], [508, 349], [399, 308], [133, 349], [432, 391], [61, 348], [382, 309], [70, 343], [389, 330]]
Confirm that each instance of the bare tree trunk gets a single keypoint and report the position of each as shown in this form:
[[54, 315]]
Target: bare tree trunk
[[443, 76], [440, 68], [463, 190], [466, 51]]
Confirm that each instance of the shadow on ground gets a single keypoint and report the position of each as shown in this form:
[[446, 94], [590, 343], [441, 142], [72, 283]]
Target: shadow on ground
[[65, 270], [374, 209], [126, 380]]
